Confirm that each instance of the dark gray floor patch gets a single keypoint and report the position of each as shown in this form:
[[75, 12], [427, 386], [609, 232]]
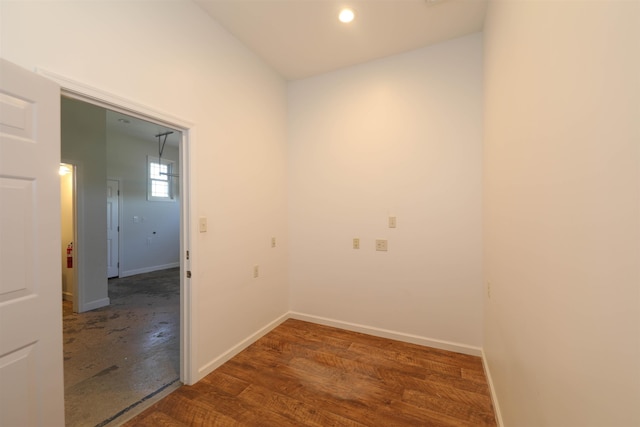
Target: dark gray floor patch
[[116, 356], [106, 371]]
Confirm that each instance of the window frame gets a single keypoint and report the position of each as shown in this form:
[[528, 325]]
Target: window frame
[[150, 180]]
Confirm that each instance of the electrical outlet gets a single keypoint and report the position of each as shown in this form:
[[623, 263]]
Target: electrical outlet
[[256, 271], [489, 290], [273, 242], [381, 244], [356, 243], [203, 224], [392, 222]]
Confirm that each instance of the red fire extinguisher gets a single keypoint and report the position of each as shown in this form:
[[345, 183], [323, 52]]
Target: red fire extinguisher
[[70, 255]]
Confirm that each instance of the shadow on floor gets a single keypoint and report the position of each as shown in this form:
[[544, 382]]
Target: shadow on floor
[[116, 356]]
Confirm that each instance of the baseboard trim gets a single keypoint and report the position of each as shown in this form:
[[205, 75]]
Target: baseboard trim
[[92, 305], [494, 397], [385, 333], [227, 355], [128, 273]]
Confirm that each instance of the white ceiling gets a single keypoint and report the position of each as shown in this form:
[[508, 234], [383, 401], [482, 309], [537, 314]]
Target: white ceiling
[[141, 129], [303, 38]]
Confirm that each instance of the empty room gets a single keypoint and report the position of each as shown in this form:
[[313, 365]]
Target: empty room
[[444, 176]]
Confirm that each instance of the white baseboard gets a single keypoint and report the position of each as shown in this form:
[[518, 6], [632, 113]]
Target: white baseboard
[[494, 397], [128, 273], [227, 355], [385, 333], [92, 305]]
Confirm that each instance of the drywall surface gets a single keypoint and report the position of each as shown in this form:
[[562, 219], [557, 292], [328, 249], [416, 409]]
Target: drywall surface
[[171, 57], [83, 143], [396, 137], [149, 230], [562, 211]]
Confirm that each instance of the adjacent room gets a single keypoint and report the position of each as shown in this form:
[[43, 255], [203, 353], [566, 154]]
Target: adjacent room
[[454, 175], [121, 289]]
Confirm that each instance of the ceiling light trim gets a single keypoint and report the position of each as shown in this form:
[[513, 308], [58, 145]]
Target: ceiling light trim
[[346, 15]]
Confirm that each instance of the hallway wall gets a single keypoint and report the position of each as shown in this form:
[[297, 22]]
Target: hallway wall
[[83, 143], [562, 211]]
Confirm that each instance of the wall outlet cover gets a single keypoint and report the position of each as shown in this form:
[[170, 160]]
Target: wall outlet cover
[[381, 244]]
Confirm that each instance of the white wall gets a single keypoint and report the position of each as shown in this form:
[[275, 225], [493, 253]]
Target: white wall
[[172, 57], [562, 211], [157, 220], [400, 136], [83, 143]]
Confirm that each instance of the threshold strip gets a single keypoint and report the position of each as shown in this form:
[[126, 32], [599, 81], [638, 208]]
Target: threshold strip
[[133, 405]]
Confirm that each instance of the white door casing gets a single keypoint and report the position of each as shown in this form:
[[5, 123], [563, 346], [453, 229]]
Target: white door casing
[[31, 366], [113, 228], [189, 371]]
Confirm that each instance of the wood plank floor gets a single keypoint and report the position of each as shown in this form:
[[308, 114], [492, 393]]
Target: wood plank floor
[[304, 374]]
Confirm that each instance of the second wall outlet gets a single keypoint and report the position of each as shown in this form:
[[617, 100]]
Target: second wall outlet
[[356, 243], [256, 271], [381, 244]]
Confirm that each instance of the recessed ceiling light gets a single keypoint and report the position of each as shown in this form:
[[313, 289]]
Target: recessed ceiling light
[[346, 15]]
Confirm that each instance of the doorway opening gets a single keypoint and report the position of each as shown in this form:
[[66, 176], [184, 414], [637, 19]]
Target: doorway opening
[[67, 174], [143, 255]]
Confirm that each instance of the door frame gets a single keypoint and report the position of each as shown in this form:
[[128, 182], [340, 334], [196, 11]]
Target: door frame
[[119, 197], [73, 89], [76, 290]]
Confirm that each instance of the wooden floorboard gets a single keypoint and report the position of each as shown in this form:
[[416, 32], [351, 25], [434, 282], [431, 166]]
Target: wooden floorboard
[[304, 374]]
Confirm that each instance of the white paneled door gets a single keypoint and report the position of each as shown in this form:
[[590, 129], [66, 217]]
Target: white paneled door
[[113, 228], [31, 380]]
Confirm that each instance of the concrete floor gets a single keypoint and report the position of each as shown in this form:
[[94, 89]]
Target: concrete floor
[[116, 357]]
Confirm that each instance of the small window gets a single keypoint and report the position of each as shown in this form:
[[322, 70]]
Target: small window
[[160, 188]]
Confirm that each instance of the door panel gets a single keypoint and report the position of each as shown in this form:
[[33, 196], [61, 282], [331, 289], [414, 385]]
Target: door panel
[[32, 390], [16, 227]]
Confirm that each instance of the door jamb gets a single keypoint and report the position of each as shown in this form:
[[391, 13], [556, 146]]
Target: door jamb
[[119, 181], [82, 92], [76, 297]]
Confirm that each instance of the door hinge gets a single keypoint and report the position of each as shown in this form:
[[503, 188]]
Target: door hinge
[[118, 192], [118, 229], [118, 264], [188, 274], [187, 254]]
